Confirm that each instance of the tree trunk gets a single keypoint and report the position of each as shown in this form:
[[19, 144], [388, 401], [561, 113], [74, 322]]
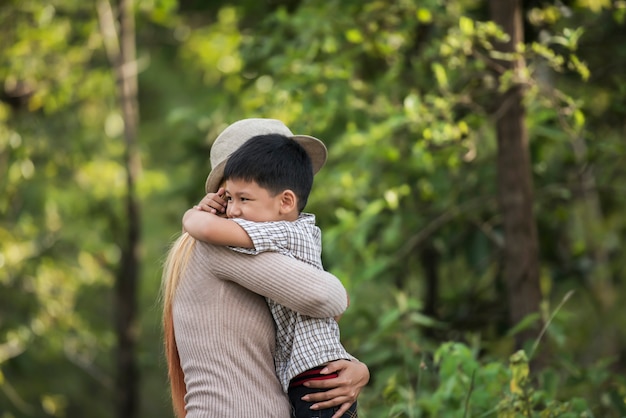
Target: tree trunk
[[127, 280], [429, 258], [588, 214], [120, 46], [520, 258], [589, 219]]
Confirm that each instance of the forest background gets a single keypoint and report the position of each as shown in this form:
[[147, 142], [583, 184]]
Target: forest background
[[472, 204]]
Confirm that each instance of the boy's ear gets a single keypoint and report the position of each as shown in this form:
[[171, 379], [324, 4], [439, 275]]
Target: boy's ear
[[288, 201]]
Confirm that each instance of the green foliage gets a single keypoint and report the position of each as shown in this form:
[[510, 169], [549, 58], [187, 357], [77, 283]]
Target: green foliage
[[61, 188], [459, 384], [413, 377]]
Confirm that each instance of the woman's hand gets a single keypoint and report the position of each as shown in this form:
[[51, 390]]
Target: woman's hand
[[342, 390]]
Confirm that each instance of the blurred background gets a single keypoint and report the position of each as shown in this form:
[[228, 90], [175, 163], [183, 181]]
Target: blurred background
[[472, 204]]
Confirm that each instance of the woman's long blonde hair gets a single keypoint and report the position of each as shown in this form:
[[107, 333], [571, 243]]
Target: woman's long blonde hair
[[175, 263]]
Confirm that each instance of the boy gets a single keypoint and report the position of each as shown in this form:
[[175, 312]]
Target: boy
[[267, 183]]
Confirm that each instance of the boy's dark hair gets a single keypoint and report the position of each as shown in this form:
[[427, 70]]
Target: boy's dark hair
[[276, 163]]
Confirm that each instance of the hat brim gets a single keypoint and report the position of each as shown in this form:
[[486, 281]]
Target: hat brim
[[314, 148]]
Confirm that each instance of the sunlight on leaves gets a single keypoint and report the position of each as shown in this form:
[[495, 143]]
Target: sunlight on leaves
[[424, 15], [54, 404], [594, 5]]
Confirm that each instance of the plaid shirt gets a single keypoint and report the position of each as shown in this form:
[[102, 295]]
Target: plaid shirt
[[302, 342]]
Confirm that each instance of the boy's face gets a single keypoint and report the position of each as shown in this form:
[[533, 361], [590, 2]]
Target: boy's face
[[247, 200]]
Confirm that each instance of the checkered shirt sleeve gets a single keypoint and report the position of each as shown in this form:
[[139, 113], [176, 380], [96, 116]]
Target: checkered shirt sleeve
[[300, 239]]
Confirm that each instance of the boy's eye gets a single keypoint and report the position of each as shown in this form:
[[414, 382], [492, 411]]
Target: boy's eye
[[228, 198]]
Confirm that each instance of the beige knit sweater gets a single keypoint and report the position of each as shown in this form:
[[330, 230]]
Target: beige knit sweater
[[225, 333]]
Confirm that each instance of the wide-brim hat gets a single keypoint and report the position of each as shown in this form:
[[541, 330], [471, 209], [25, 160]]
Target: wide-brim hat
[[238, 133]]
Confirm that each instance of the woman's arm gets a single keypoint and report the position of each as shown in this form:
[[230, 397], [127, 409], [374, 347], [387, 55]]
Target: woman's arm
[[285, 280]]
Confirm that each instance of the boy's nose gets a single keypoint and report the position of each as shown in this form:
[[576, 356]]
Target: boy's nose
[[232, 211]]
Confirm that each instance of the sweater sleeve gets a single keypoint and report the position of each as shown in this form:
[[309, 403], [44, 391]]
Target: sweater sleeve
[[285, 280]]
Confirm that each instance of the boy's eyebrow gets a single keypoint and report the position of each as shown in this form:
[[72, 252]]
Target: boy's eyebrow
[[239, 193]]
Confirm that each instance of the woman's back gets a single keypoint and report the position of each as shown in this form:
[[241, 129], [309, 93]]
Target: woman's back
[[225, 339]]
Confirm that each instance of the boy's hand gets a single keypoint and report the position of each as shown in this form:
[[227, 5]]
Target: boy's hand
[[213, 203]]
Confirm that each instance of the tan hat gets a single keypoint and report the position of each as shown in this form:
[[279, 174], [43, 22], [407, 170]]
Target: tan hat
[[239, 132]]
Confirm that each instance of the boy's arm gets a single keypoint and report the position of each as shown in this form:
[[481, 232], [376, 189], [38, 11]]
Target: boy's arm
[[208, 227]]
